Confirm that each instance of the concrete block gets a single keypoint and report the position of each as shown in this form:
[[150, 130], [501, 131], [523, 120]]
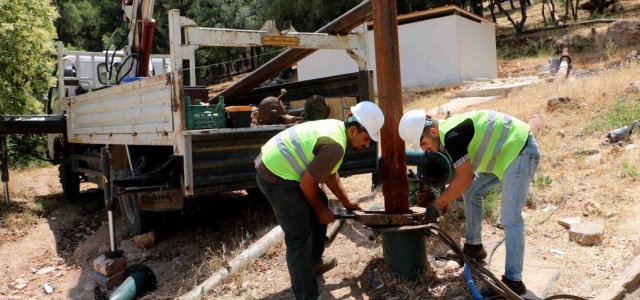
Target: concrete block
[[567, 222], [109, 282], [109, 266], [586, 233]]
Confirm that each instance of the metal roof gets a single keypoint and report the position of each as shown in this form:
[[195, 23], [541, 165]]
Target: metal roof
[[437, 12]]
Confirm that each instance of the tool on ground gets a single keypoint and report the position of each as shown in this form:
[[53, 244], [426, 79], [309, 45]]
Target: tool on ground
[[623, 132], [376, 284]]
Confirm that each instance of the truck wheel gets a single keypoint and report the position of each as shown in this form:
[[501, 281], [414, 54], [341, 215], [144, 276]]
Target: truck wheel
[[138, 221], [70, 181]]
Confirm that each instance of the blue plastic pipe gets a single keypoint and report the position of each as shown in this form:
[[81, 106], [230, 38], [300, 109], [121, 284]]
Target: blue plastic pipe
[[472, 287]]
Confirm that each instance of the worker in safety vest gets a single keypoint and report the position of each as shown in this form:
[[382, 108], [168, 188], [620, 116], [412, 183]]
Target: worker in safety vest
[[486, 148], [289, 170]]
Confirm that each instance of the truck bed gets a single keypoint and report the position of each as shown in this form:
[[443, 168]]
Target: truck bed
[[222, 159]]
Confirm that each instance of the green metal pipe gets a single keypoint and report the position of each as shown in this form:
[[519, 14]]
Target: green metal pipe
[[405, 252], [413, 159], [140, 280]]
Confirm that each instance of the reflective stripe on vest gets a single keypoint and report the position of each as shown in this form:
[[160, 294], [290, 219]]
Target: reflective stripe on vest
[[497, 140], [289, 153]]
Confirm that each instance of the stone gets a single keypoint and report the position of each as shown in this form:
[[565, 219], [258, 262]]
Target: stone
[[46, 270], [109, 266], [451, 266], [145, 241], [19, 286], [586, 233], [623, 33], [589, 207], [634, 87], [48, 289], [21, 281], [567, 222]]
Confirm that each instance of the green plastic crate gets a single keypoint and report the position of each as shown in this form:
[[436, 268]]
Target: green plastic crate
[[205, 116]]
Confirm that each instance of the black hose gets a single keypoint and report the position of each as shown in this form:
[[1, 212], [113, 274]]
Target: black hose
[[483, 273]]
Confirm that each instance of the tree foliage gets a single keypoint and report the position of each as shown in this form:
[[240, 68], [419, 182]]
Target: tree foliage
[[83, 23], [27, 56], [27, 60]]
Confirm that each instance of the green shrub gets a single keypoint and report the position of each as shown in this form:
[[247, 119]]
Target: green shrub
[[621, 113]]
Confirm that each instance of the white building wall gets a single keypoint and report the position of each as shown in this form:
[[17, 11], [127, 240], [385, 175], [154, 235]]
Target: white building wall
[[324, 63], [430, 53], [477, 49], [435, 51]]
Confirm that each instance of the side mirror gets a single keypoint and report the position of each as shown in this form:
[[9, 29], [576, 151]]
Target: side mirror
[[104, 76]]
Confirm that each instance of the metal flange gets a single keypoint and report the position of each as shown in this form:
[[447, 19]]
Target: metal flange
[[380, 218]]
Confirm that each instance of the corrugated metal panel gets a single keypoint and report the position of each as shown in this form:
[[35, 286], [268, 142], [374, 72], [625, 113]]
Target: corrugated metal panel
[[222, 160], [138, 107]]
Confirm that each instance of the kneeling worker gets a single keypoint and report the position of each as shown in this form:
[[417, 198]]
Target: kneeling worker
[[289, 170]]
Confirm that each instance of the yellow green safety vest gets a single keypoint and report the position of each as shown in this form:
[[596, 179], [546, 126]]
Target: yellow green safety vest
[[289, 153], [497, 141]]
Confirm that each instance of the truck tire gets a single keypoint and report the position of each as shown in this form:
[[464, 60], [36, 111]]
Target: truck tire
[[70, 181], [138, 221]]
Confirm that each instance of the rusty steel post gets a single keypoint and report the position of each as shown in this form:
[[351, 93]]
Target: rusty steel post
[[343, 24], [394, 158], [565, 60]]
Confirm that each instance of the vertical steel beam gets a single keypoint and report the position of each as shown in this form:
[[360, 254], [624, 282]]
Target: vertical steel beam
[[394, 176]]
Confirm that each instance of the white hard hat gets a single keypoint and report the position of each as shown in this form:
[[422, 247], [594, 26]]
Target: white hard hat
[[411, 127], [370, 117]]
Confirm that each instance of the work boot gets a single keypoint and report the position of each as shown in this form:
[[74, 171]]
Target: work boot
[[476, 252], [327, 263], [517, 287]]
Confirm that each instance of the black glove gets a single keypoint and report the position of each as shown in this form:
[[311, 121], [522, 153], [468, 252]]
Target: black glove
[[434, 211]]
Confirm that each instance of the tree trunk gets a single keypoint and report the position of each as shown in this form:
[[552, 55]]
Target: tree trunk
[[492, 6], [574, 10], [257, 53], [523, 12], [544, 18], [515, 24], [511, 2], [476, 6]]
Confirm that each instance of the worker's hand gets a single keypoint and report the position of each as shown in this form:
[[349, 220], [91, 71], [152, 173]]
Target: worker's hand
[[351, 205], [326, 216], [434, 211]]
